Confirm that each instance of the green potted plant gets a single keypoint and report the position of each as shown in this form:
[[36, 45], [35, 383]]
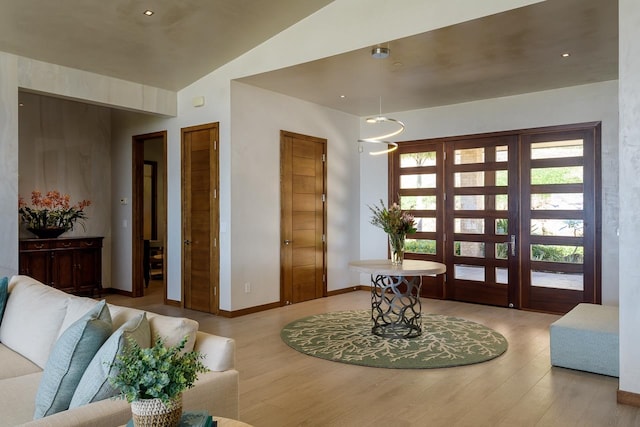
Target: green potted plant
[[153, 379]]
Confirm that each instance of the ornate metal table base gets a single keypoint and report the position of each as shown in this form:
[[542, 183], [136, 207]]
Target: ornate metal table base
[[396, 310]]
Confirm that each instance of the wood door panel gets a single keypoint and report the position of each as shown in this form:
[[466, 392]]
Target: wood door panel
[[304, 256], [304, 220], [304, 149], [304, 166], [304, 185], [304, 238], [303, 214], [200, 218], [199, 183], [491, 294], [304, 203]]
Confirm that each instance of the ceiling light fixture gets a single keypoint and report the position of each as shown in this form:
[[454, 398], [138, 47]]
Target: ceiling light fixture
[[381, 53], [566, 55], [381, 139], [148, 12]]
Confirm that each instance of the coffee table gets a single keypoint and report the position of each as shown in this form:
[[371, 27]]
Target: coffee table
[[396, 309]]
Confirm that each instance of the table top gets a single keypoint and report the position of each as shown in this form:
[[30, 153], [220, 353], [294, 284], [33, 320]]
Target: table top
[[409, 267]]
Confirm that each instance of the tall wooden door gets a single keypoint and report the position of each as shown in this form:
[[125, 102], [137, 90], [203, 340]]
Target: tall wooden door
[[200, 218], [560, 194], [303, 217], [482, 220], [419, 189]]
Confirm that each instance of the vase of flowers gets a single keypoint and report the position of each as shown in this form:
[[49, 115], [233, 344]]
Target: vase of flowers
[[153, 379], [396, 224], [52, 214]]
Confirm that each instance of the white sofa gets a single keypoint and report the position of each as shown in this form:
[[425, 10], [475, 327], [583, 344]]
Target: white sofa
[[35, 317]]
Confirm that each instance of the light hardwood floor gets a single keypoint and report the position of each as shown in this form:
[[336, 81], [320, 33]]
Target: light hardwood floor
[[281, 387]]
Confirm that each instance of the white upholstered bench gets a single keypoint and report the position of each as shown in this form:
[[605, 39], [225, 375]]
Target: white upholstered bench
[[586, 339]]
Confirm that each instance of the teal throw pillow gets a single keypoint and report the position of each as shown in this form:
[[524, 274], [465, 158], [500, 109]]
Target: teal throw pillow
[[69, 359], [4, 295], [94, 385]]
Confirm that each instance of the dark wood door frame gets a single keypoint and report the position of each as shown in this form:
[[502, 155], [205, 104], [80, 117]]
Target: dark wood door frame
[[137, 208]]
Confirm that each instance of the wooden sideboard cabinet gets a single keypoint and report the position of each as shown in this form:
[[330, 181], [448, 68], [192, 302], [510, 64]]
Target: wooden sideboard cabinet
[[71, 264]]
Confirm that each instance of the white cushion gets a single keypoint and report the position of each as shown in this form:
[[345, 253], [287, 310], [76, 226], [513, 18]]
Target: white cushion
[[171, 329], [76, 308], [14, 365], [32, 318], [16, 399]]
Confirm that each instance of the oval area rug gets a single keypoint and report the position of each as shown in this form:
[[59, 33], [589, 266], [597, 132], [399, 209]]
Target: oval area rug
[[345, 336]]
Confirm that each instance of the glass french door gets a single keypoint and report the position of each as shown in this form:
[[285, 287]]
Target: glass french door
[[419, 189], [482, 220], [560, 199], [513, 215]]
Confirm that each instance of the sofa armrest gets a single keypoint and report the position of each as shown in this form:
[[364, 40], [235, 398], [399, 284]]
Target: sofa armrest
[[219, 352], [105, 413], [215, 392]]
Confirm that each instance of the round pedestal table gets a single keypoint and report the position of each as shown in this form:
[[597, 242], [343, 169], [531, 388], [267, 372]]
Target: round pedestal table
[[396, 309]]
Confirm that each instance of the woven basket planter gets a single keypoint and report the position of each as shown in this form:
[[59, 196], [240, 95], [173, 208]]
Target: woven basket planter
[[154, 413]]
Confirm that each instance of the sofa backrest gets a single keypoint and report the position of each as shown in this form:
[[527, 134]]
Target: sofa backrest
[[32, 318], [37, 314]]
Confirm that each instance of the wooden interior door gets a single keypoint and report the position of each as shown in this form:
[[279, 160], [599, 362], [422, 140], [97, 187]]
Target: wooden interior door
[[303, 217], [200, 218]]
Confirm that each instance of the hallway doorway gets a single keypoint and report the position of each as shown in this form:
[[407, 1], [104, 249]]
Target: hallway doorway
[[149, 213]]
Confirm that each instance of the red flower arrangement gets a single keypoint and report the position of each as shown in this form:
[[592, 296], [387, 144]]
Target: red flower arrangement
[[53, 211]]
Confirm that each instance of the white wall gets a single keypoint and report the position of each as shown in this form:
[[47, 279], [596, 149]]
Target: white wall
[[354, 24], [258, 116], [629, 66], [65, 82], [588, 103], [9, 164], [65, 146]]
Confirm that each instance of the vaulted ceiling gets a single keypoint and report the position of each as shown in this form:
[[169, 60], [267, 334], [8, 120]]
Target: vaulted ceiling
[[182, 41], [517, 51]]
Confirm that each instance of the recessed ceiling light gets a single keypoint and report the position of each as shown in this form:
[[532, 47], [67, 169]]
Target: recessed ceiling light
[[343, 96], [148, 12], [566, 55]]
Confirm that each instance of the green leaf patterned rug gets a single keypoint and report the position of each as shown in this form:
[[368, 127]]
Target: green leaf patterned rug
[[345, 336]]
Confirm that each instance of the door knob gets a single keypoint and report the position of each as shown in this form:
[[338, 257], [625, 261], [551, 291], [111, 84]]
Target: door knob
[[287, 242]]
